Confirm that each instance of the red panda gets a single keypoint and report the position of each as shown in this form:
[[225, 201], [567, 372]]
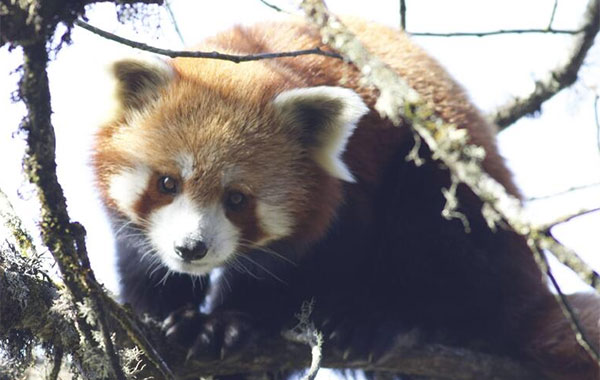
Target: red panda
[[279, 174]]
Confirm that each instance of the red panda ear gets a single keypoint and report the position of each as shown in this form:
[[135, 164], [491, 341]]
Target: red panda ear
[[326, 118], [138, 80]]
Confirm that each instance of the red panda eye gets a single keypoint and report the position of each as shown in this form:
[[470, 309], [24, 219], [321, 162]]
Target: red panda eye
[[168, 185], [235, 200]]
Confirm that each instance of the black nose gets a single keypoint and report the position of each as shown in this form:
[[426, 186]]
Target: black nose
[[191, 250]]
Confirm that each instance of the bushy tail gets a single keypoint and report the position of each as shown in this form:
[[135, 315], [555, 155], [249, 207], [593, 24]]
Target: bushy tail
[[554, 346]]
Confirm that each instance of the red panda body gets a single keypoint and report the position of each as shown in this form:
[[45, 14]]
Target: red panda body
[[280, 173]]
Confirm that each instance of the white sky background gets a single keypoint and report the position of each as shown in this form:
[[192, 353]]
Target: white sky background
[[548, 154]]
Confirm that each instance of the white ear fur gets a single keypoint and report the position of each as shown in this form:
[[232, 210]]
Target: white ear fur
[[327, 117], [138, 79]]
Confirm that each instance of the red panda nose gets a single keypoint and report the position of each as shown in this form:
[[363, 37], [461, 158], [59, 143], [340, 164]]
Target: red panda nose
[[191, 250]]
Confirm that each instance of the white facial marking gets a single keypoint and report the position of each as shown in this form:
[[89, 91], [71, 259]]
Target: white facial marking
[[184, 219], [185, 161], [274, 220], [127, 186]]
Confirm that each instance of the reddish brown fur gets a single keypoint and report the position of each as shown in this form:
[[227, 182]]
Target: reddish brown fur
[[152, 198], [421, 71], [246, 221]]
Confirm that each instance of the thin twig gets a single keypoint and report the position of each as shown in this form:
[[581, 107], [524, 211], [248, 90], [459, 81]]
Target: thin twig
[[578, 330], [97, 300], [552, 15], [597, 119], [200, 54], [305, 332], [15, 226], [316, 350], [558, 79], [56, 363], [275, 7], [402, 15], [566, 218], [567, 191], [130, 324], [109, 347], [174, 21], [497, 32]]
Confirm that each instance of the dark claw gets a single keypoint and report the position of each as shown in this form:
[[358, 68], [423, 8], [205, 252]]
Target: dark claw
[[178, 325], [218, 335], [364, 338]]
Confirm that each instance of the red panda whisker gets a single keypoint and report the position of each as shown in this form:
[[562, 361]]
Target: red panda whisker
[[164, 279], [149, 254], [120, 230], [154, 265], [240, 267], [131, 235], [248, 244], [264, 268], [199, 280], [224, 277]]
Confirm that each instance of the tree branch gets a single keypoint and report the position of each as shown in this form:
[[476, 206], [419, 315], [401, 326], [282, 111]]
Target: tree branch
[[597, 120], [409, 356], [24, 22], [174, 21], [553, 14], [497, 32], [547, 226], [200, 54], [558, 79], [580, 335], [403, 15], [410, 359], [563, 192], [65, 240], [272, 6]]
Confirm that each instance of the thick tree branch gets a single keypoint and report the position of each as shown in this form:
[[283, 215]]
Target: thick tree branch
[[558, 79], [65, 240], [430, 361], [272, 355]]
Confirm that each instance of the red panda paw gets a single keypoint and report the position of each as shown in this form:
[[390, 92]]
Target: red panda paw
[[216, 335]]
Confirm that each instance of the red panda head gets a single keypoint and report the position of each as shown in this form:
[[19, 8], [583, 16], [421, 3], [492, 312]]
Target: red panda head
[[208, 166]]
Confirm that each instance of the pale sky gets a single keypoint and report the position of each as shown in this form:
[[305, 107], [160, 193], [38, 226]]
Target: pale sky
[[548, 154]]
